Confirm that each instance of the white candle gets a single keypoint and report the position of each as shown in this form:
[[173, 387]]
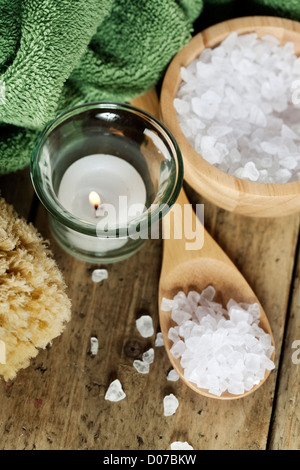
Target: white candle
[[110, 178]]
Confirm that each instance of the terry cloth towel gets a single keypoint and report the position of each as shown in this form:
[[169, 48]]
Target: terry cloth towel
[[288, 8], [58, 54], [285, 8]]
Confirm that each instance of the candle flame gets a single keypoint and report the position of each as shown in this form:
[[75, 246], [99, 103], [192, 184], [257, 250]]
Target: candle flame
[[94, 199]]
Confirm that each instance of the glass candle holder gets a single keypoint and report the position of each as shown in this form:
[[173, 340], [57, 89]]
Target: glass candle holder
[[106, 173]]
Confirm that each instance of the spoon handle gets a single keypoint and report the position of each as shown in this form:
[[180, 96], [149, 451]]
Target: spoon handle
[[185, 238]]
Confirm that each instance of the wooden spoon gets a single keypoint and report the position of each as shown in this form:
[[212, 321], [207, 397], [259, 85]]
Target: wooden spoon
[[187, 270]]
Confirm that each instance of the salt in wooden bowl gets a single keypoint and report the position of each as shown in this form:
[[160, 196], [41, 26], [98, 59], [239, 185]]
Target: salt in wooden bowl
[[233, 194]]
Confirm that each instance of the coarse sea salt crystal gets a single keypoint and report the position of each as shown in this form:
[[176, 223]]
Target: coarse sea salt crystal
[[93, 345], [178, 349], [166, 304], [170, 404], [221, 348], [289, 162], [144, 326], [172, 376], [232, 114], [179, 445], [249, 172], [99, 275], [115, 391], [148, 356], [181, 106], [142, 367], [159, 341]]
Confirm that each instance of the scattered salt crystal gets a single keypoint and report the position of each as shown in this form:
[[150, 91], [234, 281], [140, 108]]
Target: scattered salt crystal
[[93, 346], [170, 404], [99, 275], [141, 366], [172, 376], [159, 341], [148, 356], [144, 326], [179, 445], [231, 112], [220, 349], [115, 391]]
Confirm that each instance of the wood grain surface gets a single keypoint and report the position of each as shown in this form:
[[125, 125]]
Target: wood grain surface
[[58, 402]]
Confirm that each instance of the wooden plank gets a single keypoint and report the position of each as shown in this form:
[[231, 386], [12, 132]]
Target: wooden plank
[[285, 429], [16, 188], [263, 250], [139, 420], [60, 398]]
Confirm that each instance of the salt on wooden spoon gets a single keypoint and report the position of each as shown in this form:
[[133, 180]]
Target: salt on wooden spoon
[[194, 270]]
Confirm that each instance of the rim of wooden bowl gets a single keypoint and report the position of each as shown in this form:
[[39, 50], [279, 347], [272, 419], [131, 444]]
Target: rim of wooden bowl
[[226, 191]]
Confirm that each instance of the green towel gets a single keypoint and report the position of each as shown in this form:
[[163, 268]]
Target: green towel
[[58, 54], [284, 8], [288, 8], [55, 54]]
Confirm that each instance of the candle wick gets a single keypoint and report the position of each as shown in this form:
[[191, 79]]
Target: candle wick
[[94, 199], [97, 209]]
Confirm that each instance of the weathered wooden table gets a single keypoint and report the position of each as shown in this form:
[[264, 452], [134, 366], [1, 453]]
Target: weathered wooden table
[[58, 402]]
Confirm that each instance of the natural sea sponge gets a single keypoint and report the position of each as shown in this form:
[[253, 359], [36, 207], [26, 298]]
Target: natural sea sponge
[[34, 306]]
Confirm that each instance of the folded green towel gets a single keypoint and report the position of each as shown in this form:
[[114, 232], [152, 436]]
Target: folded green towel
[[288, 8], [58, 54], [285, 8]]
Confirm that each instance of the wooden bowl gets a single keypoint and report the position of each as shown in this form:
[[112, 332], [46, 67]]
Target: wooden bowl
[[231, 193]]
